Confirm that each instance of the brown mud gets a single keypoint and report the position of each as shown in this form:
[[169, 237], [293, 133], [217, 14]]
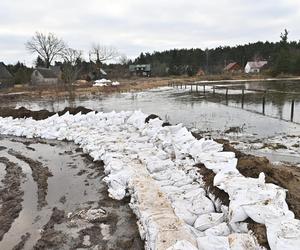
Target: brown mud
[[22, 242], [40, 175], [10, 195], [39, 115], [62, 222]]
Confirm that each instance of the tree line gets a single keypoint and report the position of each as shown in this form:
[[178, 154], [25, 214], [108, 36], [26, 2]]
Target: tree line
[[283, 57]]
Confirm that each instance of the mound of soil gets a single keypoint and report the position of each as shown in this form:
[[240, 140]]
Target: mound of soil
[[208, 178], [39, 115]]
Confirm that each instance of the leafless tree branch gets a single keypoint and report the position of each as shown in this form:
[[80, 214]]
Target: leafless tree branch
[[100, 53], [71, 67], [47, 46]]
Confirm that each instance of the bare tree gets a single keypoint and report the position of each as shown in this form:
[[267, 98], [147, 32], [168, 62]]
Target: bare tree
[[47, 46], [99, 53], [71, 65], [123, 59]]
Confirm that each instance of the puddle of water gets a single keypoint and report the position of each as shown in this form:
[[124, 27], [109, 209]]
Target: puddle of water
[[28, 213], [2, 172], [71, 188]]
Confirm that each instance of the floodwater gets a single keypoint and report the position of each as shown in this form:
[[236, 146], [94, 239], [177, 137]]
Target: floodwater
[[196, 110], [199, 111], [74, 187]]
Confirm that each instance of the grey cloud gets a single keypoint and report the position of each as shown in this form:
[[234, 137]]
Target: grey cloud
[[134, 26]]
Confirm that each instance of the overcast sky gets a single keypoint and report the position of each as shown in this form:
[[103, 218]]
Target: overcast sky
[[135, 26]]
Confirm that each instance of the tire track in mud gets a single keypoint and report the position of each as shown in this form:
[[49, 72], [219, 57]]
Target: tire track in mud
[[83, 191], [40, 175], [11, 195]]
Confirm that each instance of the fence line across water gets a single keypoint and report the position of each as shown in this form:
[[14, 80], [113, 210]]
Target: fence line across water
[[227, 88]]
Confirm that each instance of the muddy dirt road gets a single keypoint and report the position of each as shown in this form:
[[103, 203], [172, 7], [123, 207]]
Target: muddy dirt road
[[53, 197]]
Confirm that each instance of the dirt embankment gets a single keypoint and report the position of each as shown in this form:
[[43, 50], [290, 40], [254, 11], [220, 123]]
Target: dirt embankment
[[39, 115], [11, 195], [40, 175]]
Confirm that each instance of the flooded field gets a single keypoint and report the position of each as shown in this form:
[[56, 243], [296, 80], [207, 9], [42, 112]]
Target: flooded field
[[53, 197], [210, 114]]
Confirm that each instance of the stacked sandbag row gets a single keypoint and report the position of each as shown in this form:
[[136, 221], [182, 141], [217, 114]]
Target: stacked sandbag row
[[152, 161]]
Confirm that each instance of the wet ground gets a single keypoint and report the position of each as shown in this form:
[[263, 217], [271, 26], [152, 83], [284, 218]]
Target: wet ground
[[52, 197]]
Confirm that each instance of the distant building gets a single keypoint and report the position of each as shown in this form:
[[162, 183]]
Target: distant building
[[45, 76], [6, 78], [140, 69], [255, 67], [200, 72], [232, 67]]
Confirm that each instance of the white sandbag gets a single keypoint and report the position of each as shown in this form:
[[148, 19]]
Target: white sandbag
[[201, 205], [195, 232], [182, 245], [211, 242], [181, 209], [218, 230], [206, 221], [157, 166], [284, 234], [243, 242]]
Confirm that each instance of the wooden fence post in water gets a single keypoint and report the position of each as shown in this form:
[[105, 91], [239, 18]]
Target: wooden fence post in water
[[191, 87], [181, 85], [226, 95], [185, 85], [197, 88], [204, 89], [243, 95], [263, 104], [214, 89], [292, 110]]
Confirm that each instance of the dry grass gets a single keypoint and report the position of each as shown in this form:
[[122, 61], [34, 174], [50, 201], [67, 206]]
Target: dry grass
[[126, 85]]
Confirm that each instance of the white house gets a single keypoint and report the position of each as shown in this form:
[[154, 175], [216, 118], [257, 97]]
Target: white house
[[255, 67], [44, 76]]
